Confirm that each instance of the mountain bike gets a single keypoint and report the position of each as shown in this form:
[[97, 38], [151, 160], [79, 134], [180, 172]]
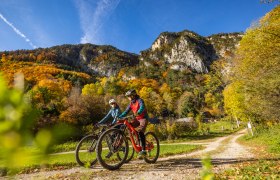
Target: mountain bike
[[112, 145], [85, 149]]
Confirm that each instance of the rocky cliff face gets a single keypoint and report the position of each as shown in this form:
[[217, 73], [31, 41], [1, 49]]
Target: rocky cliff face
[[225, 43], [106, 60], [187, 49]]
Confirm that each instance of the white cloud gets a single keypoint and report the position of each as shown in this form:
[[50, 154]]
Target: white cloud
[[18, 32], [93, 16]]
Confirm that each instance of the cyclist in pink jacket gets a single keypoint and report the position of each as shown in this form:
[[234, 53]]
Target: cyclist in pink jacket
[[138, 108]]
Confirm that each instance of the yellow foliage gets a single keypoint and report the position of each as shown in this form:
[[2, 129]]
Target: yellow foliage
[[100, 90], [89, 89], [4, 58], [121, 73], [254, 91], [103, 81], [164, 88], [35, 72]]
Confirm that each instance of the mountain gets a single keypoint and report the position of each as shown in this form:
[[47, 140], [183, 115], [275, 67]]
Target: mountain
[[187, 49], [178, 51], [89, 58]]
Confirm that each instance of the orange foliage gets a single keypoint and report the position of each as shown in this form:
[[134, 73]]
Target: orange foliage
[[35, 72], [4, 58], [63, 87]]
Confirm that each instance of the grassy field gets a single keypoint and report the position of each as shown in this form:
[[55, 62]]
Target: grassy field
[[258, 169], [266, 146], [266, 137]]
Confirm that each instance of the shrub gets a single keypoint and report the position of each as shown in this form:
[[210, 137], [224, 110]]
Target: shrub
[[170, 129]]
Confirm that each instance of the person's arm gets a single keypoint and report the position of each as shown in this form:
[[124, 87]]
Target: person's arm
[[117, 113], [105, 119], [142, 106], [125, 112]]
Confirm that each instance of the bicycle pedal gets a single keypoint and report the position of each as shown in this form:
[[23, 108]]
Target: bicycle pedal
[[109, 155], [90, 150]]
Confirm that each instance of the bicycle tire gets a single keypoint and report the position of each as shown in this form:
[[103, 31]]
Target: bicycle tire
[[131, 151], [100, 149], [92, 139], [155, 142]]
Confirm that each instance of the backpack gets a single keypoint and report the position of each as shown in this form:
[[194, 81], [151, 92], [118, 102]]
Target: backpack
[[154, 120]]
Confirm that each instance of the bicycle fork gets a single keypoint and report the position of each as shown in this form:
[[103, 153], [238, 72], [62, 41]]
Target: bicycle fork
[[114, 142], [109, 143]]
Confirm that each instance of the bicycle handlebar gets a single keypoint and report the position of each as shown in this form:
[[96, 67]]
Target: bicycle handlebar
[[128, 117]]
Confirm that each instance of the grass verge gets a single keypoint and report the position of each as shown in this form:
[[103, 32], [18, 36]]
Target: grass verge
[[266, 146], [258, 169]]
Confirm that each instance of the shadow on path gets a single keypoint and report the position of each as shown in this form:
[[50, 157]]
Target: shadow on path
[[188, 163]]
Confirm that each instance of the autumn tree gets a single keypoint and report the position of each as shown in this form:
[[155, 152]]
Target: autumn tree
[[82, 109], [3, 58], [153, 101], [255, 76], [75, 112]]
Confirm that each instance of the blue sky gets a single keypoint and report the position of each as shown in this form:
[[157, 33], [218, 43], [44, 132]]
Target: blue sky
[[129, 25]]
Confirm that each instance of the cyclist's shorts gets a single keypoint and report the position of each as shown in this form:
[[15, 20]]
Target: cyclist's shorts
[[139, 125]]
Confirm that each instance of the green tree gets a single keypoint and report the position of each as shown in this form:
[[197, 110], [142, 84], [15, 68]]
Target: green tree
[[112, 87], [214, 85], [186, 105]]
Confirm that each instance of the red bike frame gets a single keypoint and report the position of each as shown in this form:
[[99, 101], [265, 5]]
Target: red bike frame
[[133, 135]]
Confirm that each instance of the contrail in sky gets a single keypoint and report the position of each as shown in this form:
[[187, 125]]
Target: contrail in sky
[[93, 17], [17, 31]]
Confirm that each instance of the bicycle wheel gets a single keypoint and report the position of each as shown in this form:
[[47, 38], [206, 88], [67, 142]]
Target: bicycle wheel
[[112, 149], [130, 151], [152, 148], [85, 151]]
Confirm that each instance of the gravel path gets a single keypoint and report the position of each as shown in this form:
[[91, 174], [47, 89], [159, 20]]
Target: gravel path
[[224, 152]]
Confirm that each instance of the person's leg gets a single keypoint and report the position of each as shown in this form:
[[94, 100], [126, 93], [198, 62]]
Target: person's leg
[[142, 140], [141, 131]]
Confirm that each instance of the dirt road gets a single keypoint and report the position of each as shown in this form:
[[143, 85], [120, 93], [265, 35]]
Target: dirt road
[[224, 151]]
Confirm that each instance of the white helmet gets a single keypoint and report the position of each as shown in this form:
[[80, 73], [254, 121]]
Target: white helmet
[[112, 101]]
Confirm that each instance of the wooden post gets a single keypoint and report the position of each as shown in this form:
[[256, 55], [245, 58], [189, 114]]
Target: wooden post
[[250, 129], [237, 122]]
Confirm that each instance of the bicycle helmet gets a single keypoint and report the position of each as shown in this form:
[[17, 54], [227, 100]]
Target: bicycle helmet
[[112, 101], [130, 93]]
